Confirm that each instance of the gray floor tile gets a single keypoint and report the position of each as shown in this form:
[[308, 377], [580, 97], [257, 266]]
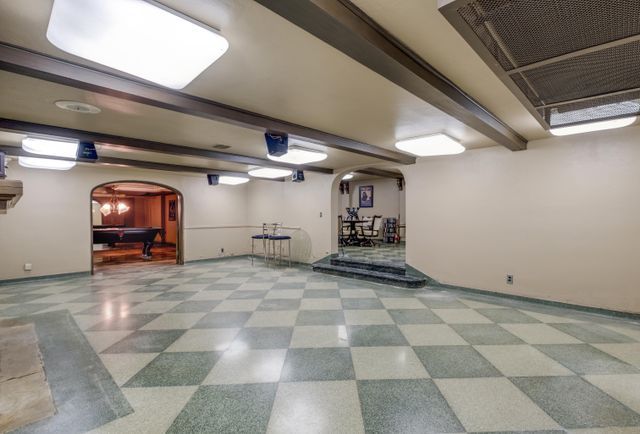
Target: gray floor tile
[[574, 403], [168, 296], [247, 294], [375, 336], [243, 408], [414, 316], [504, 316], [321, 293], [361, 303], [175, 369], [129, 322], [584, 359], [279, 304], [320, 317], [22, 298], [216, 320], [318, 364], [451, 361], [593, 333], [443, 303], [195, 306], [263, 338], [485, 334], [217, 286], [145, 341], [405, 406], [25, 309]]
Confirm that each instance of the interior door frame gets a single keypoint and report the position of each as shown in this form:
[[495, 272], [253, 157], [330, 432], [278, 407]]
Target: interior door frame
[[179, 217]]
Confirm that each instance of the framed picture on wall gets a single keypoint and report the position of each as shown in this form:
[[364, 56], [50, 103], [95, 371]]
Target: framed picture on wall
[[172, 210], [366, 196]]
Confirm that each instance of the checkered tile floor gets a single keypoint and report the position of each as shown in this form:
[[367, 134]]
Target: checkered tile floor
[[226, 347], [392, 253]]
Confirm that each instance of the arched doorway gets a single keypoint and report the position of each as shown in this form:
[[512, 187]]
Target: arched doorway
[[370, 217], [135, 223]]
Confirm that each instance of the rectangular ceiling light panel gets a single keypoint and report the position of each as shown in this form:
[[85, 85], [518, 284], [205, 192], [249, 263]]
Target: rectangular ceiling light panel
[[139, 37]]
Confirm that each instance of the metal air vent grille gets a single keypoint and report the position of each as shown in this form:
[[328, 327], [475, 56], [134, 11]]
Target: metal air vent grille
[[568, 61]]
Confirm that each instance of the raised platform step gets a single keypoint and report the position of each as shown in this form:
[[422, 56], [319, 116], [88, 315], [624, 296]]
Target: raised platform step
[[384, 267], [371, 275]]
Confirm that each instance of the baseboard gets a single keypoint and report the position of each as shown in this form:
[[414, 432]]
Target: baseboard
[[587, 309], [44, 277]]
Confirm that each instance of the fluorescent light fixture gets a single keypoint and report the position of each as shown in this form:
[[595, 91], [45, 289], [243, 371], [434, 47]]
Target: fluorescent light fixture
[[45, 163], [139, 37], [429, 146], [232, 180], [266, 172], [347, 177], [593, 126], [52, 148], [297, 155]]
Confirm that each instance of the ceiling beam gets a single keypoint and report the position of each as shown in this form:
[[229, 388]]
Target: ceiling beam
[[347, 28], [21, 61], [120, 142], [380, 172], [14, 151]]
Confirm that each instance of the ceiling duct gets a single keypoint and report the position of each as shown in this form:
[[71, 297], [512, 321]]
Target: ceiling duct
[[568, 61]]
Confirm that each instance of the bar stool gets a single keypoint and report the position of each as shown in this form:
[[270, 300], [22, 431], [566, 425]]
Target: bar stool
[[277, 236], [264, 236]]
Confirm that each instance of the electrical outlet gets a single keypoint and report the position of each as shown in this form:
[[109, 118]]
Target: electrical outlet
[[27, 267], [509, 279], [320, 214]]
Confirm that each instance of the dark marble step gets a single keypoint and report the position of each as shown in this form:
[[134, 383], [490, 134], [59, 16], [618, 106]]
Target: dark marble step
[[371, 275], [383, 267]]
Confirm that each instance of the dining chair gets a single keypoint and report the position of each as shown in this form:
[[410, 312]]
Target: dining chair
[[371, 231]]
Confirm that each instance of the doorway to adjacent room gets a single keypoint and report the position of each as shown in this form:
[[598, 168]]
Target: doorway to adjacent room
[[135, 223]]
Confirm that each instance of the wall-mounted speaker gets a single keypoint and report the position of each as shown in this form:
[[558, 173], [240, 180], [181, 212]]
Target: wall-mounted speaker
[[213, 179], [87, 151], [297, 176], [277, 143]]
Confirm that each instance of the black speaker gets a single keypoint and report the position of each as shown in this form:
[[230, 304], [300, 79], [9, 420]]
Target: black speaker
[[213, 179], [297, 176], [87, 151], [277, 143]]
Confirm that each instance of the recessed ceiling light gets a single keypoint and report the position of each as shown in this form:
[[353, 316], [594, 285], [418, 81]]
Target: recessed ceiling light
[[232, 180], [593, 126], [45, 163], [429, 146], [52, 148], [78, 107], [266, 172], [347, 177], [297, 155], [139, 37]]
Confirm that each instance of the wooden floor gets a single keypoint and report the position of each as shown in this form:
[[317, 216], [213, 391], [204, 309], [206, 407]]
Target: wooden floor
[[131, 253]]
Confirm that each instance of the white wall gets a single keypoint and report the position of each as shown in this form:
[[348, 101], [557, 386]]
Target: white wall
[[298, 206], [563, 217], [50, 226]]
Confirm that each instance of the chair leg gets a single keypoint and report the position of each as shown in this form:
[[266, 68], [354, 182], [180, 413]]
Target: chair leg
[[289, 253], [252, 251]]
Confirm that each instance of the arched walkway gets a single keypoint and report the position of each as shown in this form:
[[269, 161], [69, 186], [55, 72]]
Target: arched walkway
[[136, 222]]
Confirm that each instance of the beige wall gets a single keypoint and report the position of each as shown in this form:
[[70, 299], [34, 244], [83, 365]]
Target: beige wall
[[563, 217], [388, 201], [50, 226], [298, 206]]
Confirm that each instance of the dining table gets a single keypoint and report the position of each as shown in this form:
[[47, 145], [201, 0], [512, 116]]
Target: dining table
[[352, 239]]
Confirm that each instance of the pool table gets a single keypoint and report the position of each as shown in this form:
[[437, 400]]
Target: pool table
[[113, 235]]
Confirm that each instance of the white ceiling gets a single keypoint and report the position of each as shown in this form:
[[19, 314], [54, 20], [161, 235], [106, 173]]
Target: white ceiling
[[276, 69]]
